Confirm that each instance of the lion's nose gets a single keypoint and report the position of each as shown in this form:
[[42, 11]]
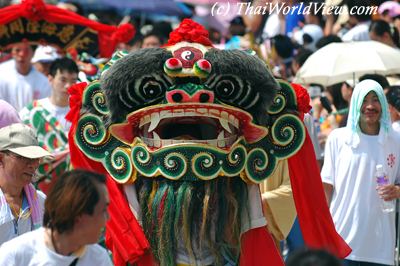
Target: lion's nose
[[180, 96]]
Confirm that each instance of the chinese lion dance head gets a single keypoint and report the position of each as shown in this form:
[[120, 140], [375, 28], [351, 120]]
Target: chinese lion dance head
[[190, 127]]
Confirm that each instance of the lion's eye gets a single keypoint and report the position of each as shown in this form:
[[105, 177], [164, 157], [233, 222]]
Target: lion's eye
[[152, 89], [227, 88]]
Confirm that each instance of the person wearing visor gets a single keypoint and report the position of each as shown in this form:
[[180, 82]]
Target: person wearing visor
[[21, 205]]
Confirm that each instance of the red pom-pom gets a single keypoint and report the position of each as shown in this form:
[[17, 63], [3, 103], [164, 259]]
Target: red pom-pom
[[124, 33], [173, 64], [303, 99], [204, 65], [33, 9], [189, 31]]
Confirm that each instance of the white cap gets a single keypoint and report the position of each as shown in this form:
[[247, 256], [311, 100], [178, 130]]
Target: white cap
[[314, 31], [45, 54], [21, 139]]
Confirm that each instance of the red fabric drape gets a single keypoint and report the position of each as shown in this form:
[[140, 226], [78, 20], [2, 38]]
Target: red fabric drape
[[312, 209], [258, 248], [108, 36], [124, 235]]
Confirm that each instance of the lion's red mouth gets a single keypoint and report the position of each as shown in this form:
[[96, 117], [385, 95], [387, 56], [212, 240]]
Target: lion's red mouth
[[163, 125]]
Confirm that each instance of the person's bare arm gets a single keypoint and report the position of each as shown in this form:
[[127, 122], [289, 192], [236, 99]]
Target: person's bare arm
[[252, 21], [329, 23], [328, 189]]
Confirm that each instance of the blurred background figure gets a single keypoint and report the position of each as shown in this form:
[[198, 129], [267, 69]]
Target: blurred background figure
[[73, 6], [393, 98], [151, 40], [312, 257], [299, 59], [325, 40], [389, 10], [383, 32], [43, 57], [382, 80], [74, 217], [237, 27], [20, 82], [280, 56], [8, 114], [358, 21], [308, 36], [155, 34]]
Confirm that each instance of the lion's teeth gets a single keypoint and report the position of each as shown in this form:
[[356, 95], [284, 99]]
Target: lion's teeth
[[224, 123], [155, 119], [157, 140], [221, 139]]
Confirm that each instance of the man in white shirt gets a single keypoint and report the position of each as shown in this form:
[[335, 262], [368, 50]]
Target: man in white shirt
[[20, 82], [348, 174]]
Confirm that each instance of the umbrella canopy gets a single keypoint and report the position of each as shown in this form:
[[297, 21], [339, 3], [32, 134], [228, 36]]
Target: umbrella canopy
[[338, 62], [39, 23], [165, 7]]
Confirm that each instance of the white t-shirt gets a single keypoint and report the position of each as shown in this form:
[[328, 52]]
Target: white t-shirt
[[9, 226], [203, 254], [396, 126], [355, 204], [30, 250], [358, 33], [272, 26], [20, 90], [58, 112]]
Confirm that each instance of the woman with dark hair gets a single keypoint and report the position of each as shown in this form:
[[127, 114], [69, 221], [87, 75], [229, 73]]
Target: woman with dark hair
[[75, 214], [383, 32]]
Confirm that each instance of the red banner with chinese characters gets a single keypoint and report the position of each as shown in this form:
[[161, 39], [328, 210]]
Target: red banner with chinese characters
[[40, 23]]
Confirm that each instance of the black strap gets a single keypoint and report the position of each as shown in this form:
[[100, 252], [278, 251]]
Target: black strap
[[74, 262]]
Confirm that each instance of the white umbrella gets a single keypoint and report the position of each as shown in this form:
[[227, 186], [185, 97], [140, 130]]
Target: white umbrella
[[338, 62]]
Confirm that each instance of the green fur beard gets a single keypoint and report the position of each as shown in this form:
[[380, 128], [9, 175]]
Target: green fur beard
[[206, 214]]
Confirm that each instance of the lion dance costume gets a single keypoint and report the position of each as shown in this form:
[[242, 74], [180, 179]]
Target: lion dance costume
[[185, 133]]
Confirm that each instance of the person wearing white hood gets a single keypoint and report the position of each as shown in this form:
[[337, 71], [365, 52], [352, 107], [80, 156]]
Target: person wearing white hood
[[348, 175]]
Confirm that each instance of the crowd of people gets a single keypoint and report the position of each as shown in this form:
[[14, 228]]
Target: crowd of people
[[355, 125], [356, 120]]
